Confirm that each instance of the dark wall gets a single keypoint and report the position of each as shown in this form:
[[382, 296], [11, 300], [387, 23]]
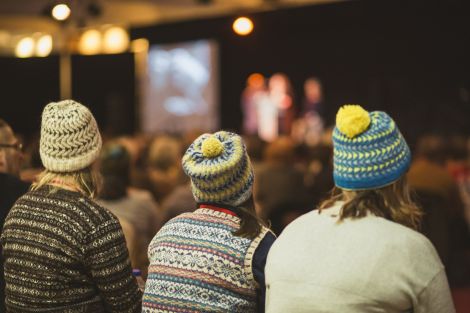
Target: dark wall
[[105, 83], [409, 58], [26, 85]]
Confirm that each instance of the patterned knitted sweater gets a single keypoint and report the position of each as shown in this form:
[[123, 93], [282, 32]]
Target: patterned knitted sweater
[[198, 265], [64, 253]]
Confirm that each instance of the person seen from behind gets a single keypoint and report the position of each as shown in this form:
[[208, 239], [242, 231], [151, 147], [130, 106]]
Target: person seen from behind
[[62, 251], [212, 259], [360, 251]]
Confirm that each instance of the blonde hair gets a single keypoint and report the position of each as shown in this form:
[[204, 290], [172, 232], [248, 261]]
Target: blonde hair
[[392, 202], [85, 180]]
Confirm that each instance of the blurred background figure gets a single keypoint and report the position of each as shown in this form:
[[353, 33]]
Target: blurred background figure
[[32, 165], [276, 108], [438, 194], [255, 88], [313, 97], [308, 128], [135, 209], [279, 191], [11, 187], [458, 164], [164, 170], [165, 178], [281, 94]]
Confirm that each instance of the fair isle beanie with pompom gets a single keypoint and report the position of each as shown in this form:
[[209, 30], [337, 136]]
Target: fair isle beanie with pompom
[[219, 168], [369, 150], [70, 138]]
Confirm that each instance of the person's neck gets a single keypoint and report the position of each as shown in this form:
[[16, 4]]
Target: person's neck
[[65, 184]]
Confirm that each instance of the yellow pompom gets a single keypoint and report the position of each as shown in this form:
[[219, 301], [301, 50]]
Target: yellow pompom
[[212, 147], [352, 120]]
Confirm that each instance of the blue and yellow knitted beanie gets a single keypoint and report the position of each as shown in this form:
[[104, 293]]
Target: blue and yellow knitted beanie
[[219, 168], [369, 150]]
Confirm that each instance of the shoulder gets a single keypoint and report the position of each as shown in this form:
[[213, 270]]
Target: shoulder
[[409, 240], [76, 206]]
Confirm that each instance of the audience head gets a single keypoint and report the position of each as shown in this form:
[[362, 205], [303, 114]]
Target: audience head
[[219, 168], [371, 158], [280, 151], [221, 173], [313, 89], [164, 165], [255, 81], [432, 148], [115, 164], [10, 150], [70, 142]]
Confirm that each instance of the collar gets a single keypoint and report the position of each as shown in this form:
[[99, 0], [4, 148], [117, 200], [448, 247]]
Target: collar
[[219, 208]]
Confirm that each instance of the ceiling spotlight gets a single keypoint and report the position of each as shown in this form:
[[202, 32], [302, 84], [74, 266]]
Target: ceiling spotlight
[[242, 26], [44, 46], [116, 40], [61, 12], [90, 42], [25, 48]]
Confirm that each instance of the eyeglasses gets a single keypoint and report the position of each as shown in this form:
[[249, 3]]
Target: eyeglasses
[[17, 145]]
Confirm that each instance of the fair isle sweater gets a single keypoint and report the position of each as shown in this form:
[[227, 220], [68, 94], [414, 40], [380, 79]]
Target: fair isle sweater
[[64, 253], [198, 265]]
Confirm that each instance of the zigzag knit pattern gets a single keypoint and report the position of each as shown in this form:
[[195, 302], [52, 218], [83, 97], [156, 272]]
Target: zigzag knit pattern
[[224, 177], [70, 139], [375, 158], [198, 265]]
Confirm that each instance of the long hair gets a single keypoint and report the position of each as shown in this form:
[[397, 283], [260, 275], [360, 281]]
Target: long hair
[[392, 202], [250, 225], [86, 180]]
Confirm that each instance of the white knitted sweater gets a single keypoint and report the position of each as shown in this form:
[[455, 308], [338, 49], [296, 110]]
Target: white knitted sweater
[[362, 265]]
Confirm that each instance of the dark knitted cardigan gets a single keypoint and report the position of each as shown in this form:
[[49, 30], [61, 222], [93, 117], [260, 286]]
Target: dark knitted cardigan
[[65, 253]]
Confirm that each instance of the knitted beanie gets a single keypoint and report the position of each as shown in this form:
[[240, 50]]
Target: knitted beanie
[[369, 150], [219, 168], [70, 139]]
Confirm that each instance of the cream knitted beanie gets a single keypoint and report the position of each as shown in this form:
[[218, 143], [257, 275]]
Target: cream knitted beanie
[[70, 139]]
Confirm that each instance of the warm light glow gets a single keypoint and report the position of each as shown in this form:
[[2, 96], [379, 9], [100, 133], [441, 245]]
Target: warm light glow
[[116, 40], [243, 26], [139, 45], [90, 42], [25, 48], [44, 46], [61, 12]]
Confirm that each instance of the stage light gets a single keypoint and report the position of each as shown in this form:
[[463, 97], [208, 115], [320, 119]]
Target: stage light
[[25, 48], [61, 12], [116, 40], [90, 42], [243, 26], [44, 46]]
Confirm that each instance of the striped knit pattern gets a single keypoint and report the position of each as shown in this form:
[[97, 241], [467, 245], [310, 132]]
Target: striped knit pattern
[[198, 265], [219, 168], [64, 253], [375, 158]]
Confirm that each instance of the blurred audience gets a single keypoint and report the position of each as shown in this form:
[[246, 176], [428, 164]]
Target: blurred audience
[[438, 194], [136, 210], [163, 164], [279, 189], [11, 187]]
